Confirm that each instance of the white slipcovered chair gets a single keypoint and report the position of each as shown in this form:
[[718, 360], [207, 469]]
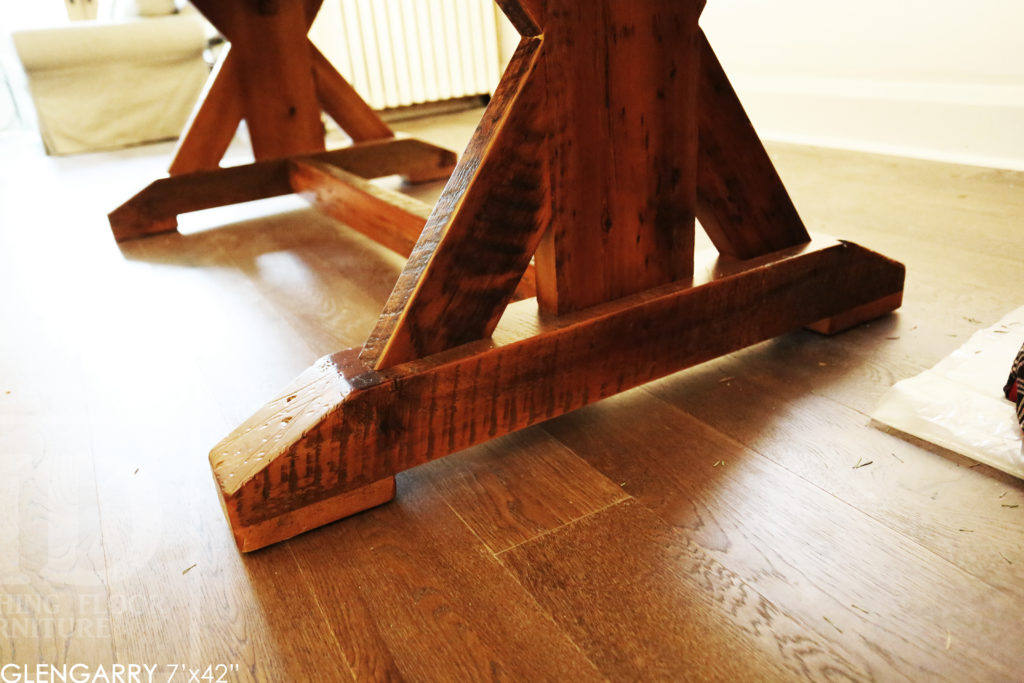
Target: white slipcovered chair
[[107, 84]]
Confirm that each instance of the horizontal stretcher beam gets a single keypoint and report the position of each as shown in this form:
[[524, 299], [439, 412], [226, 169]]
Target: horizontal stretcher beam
[[156, 208], [391, 218], [330, 444]]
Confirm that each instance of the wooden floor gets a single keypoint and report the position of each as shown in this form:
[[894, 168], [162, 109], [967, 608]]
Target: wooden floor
[[714, 525]]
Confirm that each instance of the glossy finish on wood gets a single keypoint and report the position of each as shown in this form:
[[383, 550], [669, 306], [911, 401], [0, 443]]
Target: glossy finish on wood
[[587, 548]]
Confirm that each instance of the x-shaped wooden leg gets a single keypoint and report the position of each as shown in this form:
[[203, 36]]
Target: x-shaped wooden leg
[[278, 81], [274, 95], [613, 127]]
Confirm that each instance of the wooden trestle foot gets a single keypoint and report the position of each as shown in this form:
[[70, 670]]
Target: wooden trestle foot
[[858, 314], [613, 128], [342, 425]]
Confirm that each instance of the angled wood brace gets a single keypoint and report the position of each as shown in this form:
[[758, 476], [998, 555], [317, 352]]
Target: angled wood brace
[[612, 129], [272, 76]]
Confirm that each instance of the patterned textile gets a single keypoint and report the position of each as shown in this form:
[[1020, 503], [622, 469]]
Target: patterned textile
[[1014, 389]]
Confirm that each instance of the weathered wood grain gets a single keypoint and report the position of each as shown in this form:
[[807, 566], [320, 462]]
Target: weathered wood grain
[[622, 81], [342, 425], [213, 122], [741, 201], [393, 219], [333, 92], [590, 140], [701, 481], [483, 232], [276, 77], [711, 624], [340, 100], [390, 218], [155, 209]]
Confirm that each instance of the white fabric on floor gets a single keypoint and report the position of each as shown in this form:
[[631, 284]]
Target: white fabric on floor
[[959, 403]]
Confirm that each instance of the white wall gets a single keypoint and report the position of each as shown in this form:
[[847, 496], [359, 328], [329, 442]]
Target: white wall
[[940, 79]]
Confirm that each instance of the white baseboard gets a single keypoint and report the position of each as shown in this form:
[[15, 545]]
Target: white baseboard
[[965, 123]]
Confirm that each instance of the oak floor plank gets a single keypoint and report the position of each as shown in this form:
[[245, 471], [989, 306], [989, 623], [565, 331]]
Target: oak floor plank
[[616, 578], [306, 645], [119, 382], [519, 487], [963, 512], [54, 602], [297, 255], [983, 202], [166, 551], [54, 605], [413, 582], [875, 590]]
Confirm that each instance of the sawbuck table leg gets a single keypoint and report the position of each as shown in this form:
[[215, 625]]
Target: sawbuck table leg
[[613, 127], [275, 79]]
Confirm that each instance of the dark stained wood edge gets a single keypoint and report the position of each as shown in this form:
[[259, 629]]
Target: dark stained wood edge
[[155, 208], [741, 201], [524, 15], [342, 425]]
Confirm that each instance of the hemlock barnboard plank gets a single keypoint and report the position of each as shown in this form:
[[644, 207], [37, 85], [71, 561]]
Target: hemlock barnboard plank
[[214, 121], [480, 238], [622, 91], [341, 425]]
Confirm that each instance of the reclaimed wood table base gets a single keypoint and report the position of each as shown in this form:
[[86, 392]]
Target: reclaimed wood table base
[[272, 76], [613, 128]]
